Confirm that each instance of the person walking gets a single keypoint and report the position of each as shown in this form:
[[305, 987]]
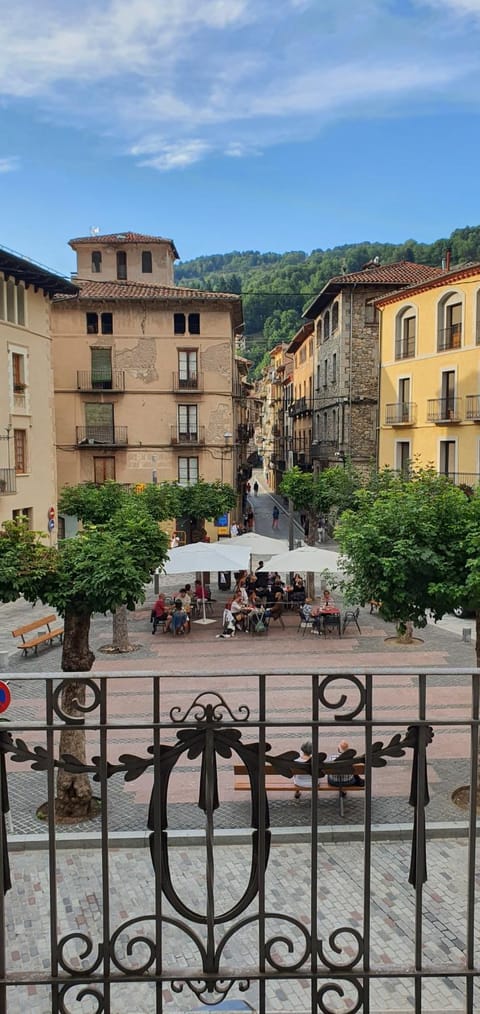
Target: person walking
[[255, 488], [275, 516]]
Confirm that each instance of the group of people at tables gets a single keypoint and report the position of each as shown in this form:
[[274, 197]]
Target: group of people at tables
[[319, 614], [175, 614]]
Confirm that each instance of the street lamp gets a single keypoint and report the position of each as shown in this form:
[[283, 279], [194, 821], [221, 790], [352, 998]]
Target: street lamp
[[341, 456]]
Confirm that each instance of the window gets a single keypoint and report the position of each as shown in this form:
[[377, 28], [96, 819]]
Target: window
[[403, 456], [96, 262], [319, 376], [334, 368], [20, 451], [319, 331], [187, 422], [18, 371], [179, 323], [11, 301], [194, 323], [187, 471], [404, 399], [107, 323], [326, 326], [310, 348], [121, 265], [450, 314], [23, 512], [147, 262], [20, 305], [92, 323], [188, 368], [448, 394], [101, 363], [334, 317], [447, 457], [99, 423], [325, 372], [371, 313], [103, 470], [405, 333]]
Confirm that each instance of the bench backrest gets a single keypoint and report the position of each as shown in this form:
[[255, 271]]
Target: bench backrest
[[34, 625], [240, 769]]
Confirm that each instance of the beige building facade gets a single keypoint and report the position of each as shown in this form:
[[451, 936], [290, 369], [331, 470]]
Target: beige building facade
[[144, 370], [27, 432]]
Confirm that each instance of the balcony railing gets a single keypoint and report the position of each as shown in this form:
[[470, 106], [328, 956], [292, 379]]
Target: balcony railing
[[404, 348], [449, 337], [400, 413], [109, 436], [470, 479], [112, 380], [282, 922], [302, 406], [8, 481], [190, 437], [444, 410], [191, 384], [472, 407]]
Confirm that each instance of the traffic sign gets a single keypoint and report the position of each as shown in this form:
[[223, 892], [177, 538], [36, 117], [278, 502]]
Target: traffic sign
[[51, 513], [51, 524], [5, 696]]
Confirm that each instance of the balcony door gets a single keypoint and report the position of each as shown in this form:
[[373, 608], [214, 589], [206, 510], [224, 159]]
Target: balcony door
[[448, 393], [187, 423], [101, 362], [447, 458], [99, 423], [188, 368], [404, 399]]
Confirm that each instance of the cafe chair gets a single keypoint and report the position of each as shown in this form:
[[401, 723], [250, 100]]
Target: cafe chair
[[351, 616]]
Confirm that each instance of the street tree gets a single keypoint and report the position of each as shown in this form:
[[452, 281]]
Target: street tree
[[406, 548], [103, 567]]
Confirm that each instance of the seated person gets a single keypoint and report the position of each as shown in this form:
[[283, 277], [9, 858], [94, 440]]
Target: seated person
[[228, 622], [343, 779], [159, 612], [262, 578], [178, 622], [326, 600], [184, 598], [275, 611], [240, 612], [251, 583], [298, 594], [242, 591], [305, 757], [254, 600], [200, 591]]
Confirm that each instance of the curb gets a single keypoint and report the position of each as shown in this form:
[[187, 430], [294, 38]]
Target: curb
[[235, 836]]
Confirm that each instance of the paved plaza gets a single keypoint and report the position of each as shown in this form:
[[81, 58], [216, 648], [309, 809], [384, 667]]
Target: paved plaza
[[200, 662]]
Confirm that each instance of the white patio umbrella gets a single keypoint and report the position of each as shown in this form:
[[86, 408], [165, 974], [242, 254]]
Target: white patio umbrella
[[260, 545], [204, 556], [306, 558]]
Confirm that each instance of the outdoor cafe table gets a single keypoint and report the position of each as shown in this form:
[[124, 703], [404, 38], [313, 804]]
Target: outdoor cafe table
[[334, 614]]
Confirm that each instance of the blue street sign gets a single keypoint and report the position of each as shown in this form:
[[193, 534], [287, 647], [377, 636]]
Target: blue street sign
[[51, 524], [222, 521]]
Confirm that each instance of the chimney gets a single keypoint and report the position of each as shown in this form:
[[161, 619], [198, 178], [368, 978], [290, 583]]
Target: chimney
[[448, 258]]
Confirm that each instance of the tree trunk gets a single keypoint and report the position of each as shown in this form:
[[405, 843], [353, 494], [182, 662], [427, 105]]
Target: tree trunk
[[405, 631], [74, 792], [120, 640]]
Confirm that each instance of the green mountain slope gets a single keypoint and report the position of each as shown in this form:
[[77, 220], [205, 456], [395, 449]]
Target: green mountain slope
[[277, 287]]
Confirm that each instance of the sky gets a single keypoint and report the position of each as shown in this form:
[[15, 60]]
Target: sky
[[237, 124]]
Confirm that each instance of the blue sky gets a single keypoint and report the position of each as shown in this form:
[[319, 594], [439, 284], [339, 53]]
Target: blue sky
[[237, 124]]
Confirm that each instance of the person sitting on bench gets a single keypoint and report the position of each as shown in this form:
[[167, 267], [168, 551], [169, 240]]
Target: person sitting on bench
[[159, 612], [305, 757], [343, 779]]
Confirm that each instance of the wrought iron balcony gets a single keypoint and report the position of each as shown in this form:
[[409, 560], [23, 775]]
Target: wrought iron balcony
[[400, 413], [404, 348], [242, 924], [191, 437], [302, 406], [100, 380], [444, 410], [191, 384], [108, 436], [472, 408], [469, 479], [8, 481], [449, 337]]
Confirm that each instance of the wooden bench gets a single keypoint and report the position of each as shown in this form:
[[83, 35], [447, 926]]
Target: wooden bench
[[278, 783], [43, 638]]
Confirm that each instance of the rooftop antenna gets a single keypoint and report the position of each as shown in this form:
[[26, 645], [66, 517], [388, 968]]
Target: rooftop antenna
[[94, 230]]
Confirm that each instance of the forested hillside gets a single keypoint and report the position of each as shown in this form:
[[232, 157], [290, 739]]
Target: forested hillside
[[277, 287]]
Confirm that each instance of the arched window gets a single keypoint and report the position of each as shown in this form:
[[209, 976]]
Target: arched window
[[319, 330], [334, 317], [405, 333], [450, 321], [326, 326], [96, 262]]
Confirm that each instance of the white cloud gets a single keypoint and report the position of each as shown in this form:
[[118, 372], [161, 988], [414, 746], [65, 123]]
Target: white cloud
[[175, 81], [9, 164]]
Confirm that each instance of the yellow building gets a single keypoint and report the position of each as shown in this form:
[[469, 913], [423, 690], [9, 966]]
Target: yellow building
[[144, 370], [300, 409], [429, 377], [27, 433]]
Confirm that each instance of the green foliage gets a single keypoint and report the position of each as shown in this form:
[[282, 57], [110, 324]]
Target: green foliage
[[405, 546], [91, 503], [205, 500], [272, 284], [334, 488]]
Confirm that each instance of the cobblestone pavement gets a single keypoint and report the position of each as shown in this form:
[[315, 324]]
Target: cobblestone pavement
[[340, 904]]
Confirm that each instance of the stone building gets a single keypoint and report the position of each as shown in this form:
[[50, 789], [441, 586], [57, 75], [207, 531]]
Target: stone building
[[27, 433], [144, 369], [346, 359]]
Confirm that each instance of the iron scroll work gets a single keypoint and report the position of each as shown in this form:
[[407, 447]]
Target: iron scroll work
[[214, 731]]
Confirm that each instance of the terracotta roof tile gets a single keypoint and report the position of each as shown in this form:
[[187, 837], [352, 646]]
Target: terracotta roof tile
[[119, 237], [139, 290], [400, 273], [443, 277]]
